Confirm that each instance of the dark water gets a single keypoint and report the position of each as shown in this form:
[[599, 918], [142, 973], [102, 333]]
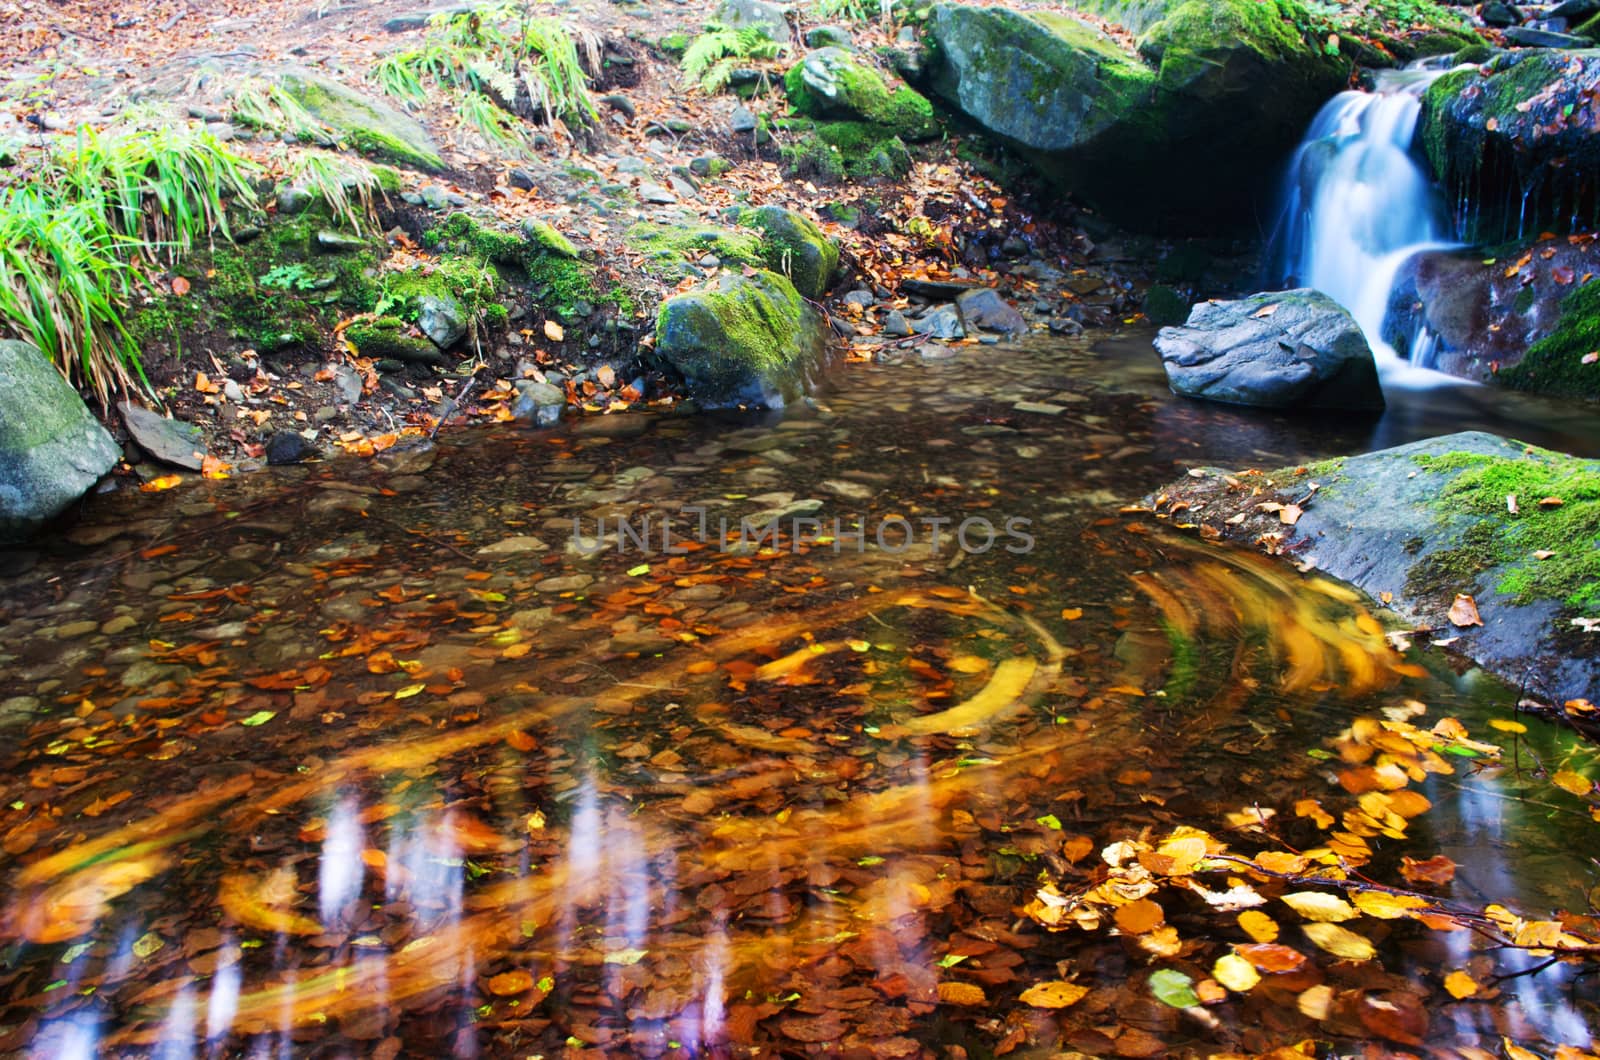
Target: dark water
[[384, 758]]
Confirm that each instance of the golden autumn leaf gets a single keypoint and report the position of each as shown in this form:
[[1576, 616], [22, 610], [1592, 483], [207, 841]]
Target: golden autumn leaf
[[1464, 611], [1386, 906], [507, 983], [180, 286], [1235, 973], [1460, 984], [1258, 925], [72, 906], [1281, 862], [954, 993], [1341, 942], [1315, 1002], [1136, 918], [1575, 783], [1319, 906], [1054, 993]]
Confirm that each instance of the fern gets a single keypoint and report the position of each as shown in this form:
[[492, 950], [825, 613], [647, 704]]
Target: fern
[[711, 58]]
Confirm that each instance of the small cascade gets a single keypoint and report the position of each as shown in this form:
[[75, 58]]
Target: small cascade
[[1357, 204]]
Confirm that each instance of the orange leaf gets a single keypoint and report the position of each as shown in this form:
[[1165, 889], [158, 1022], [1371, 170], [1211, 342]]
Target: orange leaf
[[180, 286], [508, 983], [1464, 612], [606, 374]]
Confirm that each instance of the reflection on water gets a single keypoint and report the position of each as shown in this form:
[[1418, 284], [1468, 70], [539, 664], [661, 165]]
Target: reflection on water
[[371, 759]]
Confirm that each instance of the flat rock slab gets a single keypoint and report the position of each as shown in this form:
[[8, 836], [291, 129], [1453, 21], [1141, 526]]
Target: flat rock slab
[[1377, 518], [1283, 349], [169, 441]]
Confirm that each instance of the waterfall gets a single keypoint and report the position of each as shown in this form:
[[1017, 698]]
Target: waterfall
[[1357, 204]]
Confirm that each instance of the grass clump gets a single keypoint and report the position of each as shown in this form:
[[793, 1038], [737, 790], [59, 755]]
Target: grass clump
[[1555, 364], [711, 58], [503, 65], [348, 186], [80, 230], [1569, 531]]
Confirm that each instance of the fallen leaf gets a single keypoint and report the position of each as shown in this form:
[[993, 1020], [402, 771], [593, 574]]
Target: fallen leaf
[[1460, 984], [969, 994], [1438, 870], [180, 286], [1136, 918], [1235, 973], [1172, 987], [1054, 993], [1464, 612], [1290, 514], [1258, 925], [1551, 502], [507, 983], [553, 331], [1575, 783], [1341, 942], [1264, 312], [1319, 906]]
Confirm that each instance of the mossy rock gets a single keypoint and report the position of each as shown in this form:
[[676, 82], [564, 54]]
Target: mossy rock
[[840, 150], [670, 247], [369, 125], [745, 341], [796, 247], [1515, 137], [833, 83], [1555, 364], [391, 337], [560, 284], [1184, 134], [51, 448]]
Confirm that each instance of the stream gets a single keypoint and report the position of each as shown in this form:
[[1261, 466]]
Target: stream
[[469, 750]]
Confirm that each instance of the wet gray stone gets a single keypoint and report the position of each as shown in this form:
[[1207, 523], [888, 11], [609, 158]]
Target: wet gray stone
[[169, 441]]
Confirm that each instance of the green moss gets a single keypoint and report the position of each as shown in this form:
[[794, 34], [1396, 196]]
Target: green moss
[[1554, 364], [835, 151], [673, 45], [471, 281], [859, 93], [670, 247], [388, 337], [561, 285], [370, 127], [794, 246], [1499, 539], [461, 233], [738, 342], [546, 236], [1474, 54]]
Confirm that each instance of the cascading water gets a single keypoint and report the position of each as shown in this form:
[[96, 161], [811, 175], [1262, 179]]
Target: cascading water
[[1358, 203]]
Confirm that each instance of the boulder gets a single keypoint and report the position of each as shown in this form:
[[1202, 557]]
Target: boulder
[[748, 341], [538, 404], [1277, 350], [771, 19], [835, 84], [167, 440], [982, 309], [51, 448], [370, 125], [1518, 139], [1416, 525], [1185, 133], [441, 318], [796, 247]]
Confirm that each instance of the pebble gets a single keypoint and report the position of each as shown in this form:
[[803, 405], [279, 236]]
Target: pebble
[[513, 545], [81, 628]]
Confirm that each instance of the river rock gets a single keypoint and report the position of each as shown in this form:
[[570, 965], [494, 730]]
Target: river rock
[[539, 404], [1387, 523], [167, 440], [983, 309], [1187, 131], [441, 318], [370, 125], [1518, 137], [51, 449], [771, 20], [941, 322], [1277, 350], [1533, 37], [796, 247], [833, 83], [743, 341]]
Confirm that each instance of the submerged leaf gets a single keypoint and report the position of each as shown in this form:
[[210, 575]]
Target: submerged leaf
[[1174, 988], [1055, 993], [1341, 942]]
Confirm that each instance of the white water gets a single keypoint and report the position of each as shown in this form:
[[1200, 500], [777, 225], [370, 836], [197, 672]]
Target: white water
[[1358, 203]]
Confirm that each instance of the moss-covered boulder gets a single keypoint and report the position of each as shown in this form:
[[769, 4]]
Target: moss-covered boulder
[[834, 151], [390, 338], [1566, 361], [1416, 525], [1519, 139], [748, 341], [369, 125], [1186, 132], [832, 83], [51, 449], [796, 247]]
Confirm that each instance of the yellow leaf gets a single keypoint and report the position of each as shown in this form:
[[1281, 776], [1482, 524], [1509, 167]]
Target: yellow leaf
[[1315, 1002], [952, 993], [1055, 993], [1319, 906], [1258, 925], [1507, 726], [1072, 614], [969, 664], [1235, 973], [1460, 984], [408, 691], [1136, 918], [1388, 906], [1517, 1052], [1341, 942], [553, 331], [1576, 783], [1280, 862]]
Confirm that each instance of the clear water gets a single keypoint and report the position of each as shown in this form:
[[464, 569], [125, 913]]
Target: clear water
[[1358, 202], [336, 761]]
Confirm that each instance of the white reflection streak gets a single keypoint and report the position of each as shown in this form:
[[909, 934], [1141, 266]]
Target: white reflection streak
[[340, 875], [176, 1041], [706, 1029], [583, 861], [223, 1004]]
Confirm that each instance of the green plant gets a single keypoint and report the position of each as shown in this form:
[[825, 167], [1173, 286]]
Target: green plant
[[261, 104], [79, 228], [711, 58], [348, 185], [855, 10], [501, 60], [291, 277]]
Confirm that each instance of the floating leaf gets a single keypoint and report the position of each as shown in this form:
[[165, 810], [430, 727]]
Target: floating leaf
[[1387, 906], [409, 690], [625, 957], [1507, 726], [260, 717], [1174, 988], [1568, 781], [1315, 1002], [1235, 973], [1341, 942], [1258, 925], [1438, 870], [1272, 957], [1319, 906], [1055, 993], [1460, 984]]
